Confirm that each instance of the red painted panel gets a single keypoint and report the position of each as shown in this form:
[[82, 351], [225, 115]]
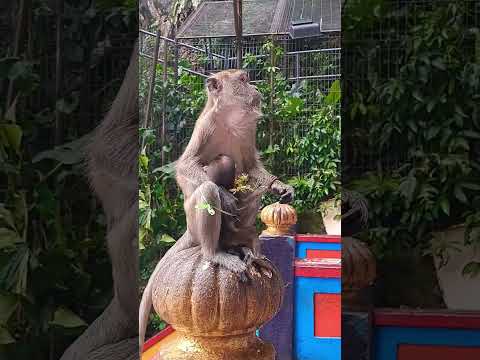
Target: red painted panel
[[423, 352], [319, 268], [319, 238], [425, 318], [327, 315], [320, 254], [317, 273], [154, 340]]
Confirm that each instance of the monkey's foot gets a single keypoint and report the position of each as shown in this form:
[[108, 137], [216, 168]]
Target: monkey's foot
[[256, 263], [249, 256]]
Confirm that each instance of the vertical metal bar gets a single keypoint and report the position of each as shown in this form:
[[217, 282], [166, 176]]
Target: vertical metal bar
[[165, 60], [297, 68], [16, 47], [59, 73], [272, 63], [226, 52], [175, 60], [152, 80], [211, 63], [164, 98], [205, 67]]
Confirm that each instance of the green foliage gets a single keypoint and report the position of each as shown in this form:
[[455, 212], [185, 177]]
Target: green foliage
[[161, 215], [300, 130], [108, 4], [318, 150], [55, 278], [430, 110], [205, 206], [314, 146], [160, 204], [48, 243]]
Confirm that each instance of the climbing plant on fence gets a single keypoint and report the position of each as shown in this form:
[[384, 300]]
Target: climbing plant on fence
[[298, 135], [55, 277], [429, 99]]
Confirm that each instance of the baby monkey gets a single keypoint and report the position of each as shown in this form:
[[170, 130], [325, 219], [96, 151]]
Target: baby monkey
[[221, 171]]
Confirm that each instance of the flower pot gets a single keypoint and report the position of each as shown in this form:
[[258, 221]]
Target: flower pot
[[459, 292], [331, 211]]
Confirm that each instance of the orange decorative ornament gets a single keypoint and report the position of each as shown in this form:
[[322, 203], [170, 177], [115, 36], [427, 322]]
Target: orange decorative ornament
[[279, 218]]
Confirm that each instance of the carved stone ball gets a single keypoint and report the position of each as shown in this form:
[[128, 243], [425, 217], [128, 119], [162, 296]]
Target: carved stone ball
[[204, 299], [358, 266], [279, 218]]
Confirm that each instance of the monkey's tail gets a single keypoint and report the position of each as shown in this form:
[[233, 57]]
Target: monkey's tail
[[144, 311], [146, 303]]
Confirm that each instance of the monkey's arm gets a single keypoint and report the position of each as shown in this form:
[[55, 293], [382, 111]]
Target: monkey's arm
[[189, 168], [262, 177], [190, 174]]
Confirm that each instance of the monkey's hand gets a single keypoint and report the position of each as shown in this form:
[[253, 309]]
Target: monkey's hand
[[229, 203], [285, 191]]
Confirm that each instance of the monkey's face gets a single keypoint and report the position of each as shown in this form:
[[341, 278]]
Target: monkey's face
[[232, 87]]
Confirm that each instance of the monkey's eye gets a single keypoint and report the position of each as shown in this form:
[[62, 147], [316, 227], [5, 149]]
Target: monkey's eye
[[244, 77]]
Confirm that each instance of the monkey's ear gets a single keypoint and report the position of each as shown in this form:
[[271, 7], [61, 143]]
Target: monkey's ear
[[214, 85]]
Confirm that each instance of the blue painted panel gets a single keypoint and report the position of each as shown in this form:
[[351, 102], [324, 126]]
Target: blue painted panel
[[319, 349], [303, 246], [387, 339], [306, 346]]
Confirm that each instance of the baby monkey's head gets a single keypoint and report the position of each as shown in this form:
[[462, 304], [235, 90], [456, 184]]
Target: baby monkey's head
[[221, 171]]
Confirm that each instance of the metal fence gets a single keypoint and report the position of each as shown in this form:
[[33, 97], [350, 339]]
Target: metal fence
[[376, 48], [314, 61]]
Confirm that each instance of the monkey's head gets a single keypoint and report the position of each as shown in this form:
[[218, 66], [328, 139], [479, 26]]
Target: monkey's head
[[232, 87]]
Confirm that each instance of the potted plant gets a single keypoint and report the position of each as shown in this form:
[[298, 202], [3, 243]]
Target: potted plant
[[430, 116], [331, 211], [457, 261]]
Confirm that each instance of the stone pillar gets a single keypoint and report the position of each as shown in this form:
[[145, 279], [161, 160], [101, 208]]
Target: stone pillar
[[278, 245]]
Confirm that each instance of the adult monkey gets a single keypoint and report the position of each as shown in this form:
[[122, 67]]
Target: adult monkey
[[226, 126], [113, 172]]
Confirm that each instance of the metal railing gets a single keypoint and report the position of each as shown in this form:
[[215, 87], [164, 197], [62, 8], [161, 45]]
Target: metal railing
[[317, 64]]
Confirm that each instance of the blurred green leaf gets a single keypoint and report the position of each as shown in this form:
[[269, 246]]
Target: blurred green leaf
[[8, 304], [11, 136], [472, 269], [68, 154], [5, 337], [66, 318], [8, 238], [334, 94], [167, 239]]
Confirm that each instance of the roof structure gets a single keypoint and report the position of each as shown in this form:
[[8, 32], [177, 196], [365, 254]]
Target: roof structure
[[326, 13], [262, 17]]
